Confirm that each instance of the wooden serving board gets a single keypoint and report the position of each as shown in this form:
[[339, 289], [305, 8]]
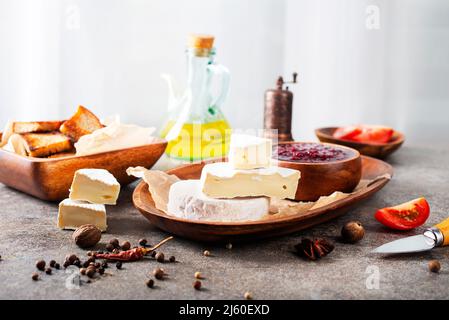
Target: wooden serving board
[[274, 226], [50, 179]]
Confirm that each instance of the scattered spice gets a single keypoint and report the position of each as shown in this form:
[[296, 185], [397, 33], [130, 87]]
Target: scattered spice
[[104, 264], [48, 271], [206, 253], [229, 246], [132, 254], [172, 259], [158, 273], [198, 275], [83, 271], [77, 263], [52, 263], [314, 249], [150, 283], [71, 258], [57, 266], [109, 247], [160, 257], [248, 295], [35, 276], [352, 232], [114, 242], [101, 271], [143, 242], [40, 265], [126, 245], [86, 236], [434, 266], [66, 264], [153, 253], [116, 251], [197, 284], [90, 272], [118, 265]]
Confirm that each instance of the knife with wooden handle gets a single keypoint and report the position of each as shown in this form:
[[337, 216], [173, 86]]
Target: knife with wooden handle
[[433, 237]]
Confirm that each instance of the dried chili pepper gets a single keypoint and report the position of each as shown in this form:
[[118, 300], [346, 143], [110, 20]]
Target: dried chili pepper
[[132, 254]]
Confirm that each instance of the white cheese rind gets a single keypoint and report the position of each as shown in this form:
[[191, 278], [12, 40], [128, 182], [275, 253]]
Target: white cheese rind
[[249, 152], [188, 202], [73, 214], [220, 180], [95, 186]]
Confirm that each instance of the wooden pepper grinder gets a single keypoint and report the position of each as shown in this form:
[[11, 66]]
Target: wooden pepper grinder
[[278, 111]]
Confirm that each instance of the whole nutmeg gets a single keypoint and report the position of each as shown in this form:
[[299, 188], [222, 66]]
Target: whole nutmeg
[[87, 236], [434, 266], [352, 232]]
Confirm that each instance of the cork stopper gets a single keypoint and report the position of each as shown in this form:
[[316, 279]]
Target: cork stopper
[[200, 41]]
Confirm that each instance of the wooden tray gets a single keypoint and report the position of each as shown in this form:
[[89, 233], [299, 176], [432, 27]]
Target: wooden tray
[[50, 179], [238, 231], [380, 151]]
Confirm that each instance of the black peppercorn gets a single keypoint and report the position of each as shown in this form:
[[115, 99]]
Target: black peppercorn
[[52, 263], [143, 242], [86, 264], [66, 264], [57, 266], [150, 283], [160, 257], [172, 259], [352, 232], [197, 284], [71, 258], [35, 276], [114, 242], [90, 272], [104, 264], [153, 253], [126, 245], [434, 266], [158, 273], [48, 271], [118, 265], [40, 265], [77, 263], [109, 247], [101, 271]]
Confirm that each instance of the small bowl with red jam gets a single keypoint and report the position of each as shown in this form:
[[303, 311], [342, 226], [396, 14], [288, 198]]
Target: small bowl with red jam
[[325, 168]]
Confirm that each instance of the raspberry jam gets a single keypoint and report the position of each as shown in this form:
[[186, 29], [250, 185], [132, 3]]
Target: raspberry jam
[[310, 152]]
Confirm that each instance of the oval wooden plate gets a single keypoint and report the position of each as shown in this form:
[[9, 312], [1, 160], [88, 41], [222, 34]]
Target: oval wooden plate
[[240, 231], [381, 150]]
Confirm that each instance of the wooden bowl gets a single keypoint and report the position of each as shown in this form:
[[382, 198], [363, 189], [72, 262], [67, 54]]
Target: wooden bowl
[[50, 179], [380, 150], [273, 226], [324, 178]]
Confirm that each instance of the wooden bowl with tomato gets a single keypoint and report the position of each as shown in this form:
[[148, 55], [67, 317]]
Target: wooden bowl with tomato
[[373, 141], [325, 168]]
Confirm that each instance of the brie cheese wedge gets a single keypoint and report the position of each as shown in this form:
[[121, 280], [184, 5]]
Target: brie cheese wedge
[[95, 186], [73, 214], [249, 152], [220, 180]]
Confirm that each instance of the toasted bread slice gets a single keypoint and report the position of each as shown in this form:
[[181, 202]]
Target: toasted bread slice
[[44, 144], [81, 123], [38, 126]]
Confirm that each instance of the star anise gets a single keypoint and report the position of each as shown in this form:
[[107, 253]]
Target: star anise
[[314, 249]]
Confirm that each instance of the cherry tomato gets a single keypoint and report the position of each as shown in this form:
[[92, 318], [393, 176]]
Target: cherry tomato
[[374, 134], [405, 216], [347, 133]]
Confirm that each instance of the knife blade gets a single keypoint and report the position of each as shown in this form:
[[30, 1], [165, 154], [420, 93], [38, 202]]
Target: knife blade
[[431, 238]]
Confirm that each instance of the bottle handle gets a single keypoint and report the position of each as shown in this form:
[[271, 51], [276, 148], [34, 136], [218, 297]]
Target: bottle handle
[[223, 72]]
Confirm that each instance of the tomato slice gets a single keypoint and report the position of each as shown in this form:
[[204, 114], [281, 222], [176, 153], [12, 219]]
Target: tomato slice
[[347, 133], [374, 134], [405, 216]]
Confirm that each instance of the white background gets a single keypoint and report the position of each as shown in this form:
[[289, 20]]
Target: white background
[[108, 55]]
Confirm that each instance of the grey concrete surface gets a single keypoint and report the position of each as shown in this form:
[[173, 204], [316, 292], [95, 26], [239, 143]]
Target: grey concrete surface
[[266, 268]]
